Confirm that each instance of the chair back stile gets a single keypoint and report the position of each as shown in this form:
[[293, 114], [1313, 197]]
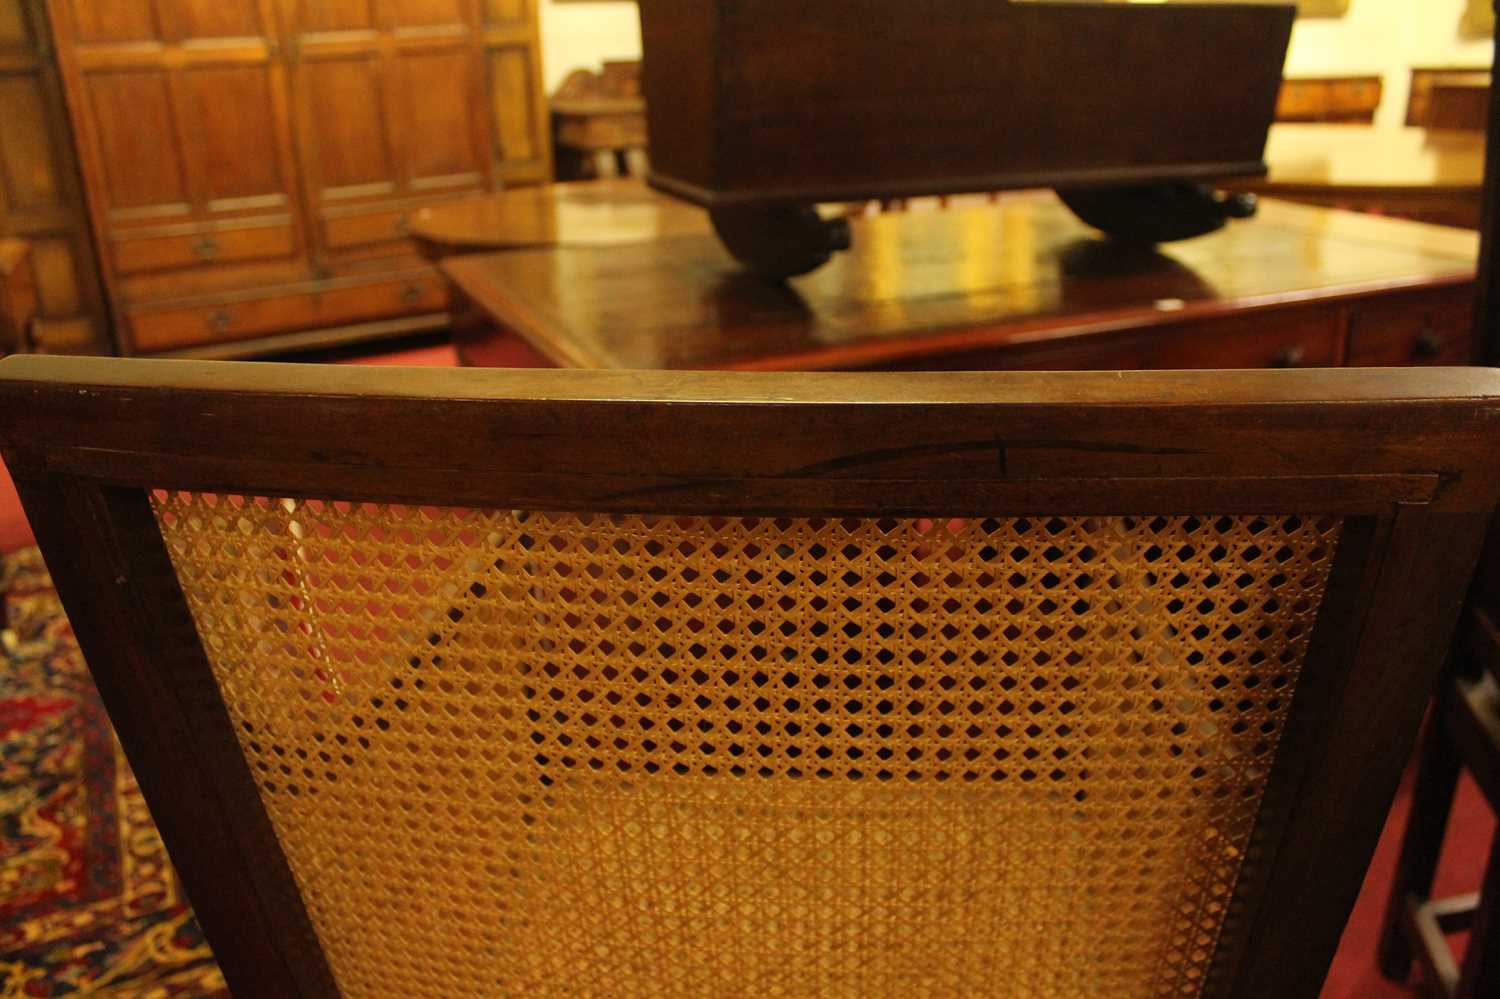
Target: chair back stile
[[647, 684], [1463, 730]]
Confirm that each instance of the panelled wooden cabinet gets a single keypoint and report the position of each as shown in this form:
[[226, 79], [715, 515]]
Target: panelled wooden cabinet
[[40, 196], [251, 164]]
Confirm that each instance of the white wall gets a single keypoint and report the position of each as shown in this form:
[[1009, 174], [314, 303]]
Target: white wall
[[1384, 37], [584, 35]]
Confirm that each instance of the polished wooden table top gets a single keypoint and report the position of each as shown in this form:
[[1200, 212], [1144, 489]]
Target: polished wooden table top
[[588, 213], [921, 282], [1348, 158]]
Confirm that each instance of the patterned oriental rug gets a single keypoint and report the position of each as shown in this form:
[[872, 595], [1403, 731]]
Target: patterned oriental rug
[[89, 904]]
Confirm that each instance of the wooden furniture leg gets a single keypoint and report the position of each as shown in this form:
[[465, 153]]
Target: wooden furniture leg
[[1432, 801], [1481, 968], [1464, 732]]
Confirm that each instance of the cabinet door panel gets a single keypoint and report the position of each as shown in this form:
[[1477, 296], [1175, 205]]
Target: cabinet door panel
[[238, 147], [193, 127], [412, 13], [40, 199], [230, 91], [519, 123], [27, 164], [55, 263], [197, 19], [439, 96], [13, 33], [138, 143], [390, 106], [345, 127], [514, 99], [99, 21], [503, 11], [335, 15]]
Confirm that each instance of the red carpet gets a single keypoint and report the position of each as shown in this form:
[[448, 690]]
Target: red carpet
[[1354, 974], [88, 901], [1352, 977], [15, 532]]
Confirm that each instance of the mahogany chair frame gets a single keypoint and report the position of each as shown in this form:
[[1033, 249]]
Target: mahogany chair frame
[[1406, 457], [1464, 729], [1487, 306], [1462, 733]]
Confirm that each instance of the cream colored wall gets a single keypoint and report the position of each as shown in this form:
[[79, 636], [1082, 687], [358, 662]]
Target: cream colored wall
[[1384, 37], [576, 35]]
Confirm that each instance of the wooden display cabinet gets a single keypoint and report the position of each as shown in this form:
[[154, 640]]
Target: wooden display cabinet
[[251, 165], [41, 199]]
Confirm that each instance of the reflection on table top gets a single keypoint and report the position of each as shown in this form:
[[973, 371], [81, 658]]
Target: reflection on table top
[[1348, 157], [1023, 264], [589, 213]]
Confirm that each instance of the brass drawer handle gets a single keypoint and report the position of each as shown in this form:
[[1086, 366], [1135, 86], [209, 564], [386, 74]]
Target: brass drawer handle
[[1428, 344], [411, 294], [1293, 356], [403, 226], [220, 321], [207, 248]]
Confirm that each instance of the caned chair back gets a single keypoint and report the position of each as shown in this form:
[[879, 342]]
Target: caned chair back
[[457, 683]]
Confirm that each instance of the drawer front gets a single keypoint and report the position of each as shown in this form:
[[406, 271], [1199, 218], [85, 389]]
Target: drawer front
[[1280, 339], [1301, 97], [139, 255], [171, 329], [367, 228], [1427, 328], [1328, 100], [1354, 95], [1286, 339], [621, 131]]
